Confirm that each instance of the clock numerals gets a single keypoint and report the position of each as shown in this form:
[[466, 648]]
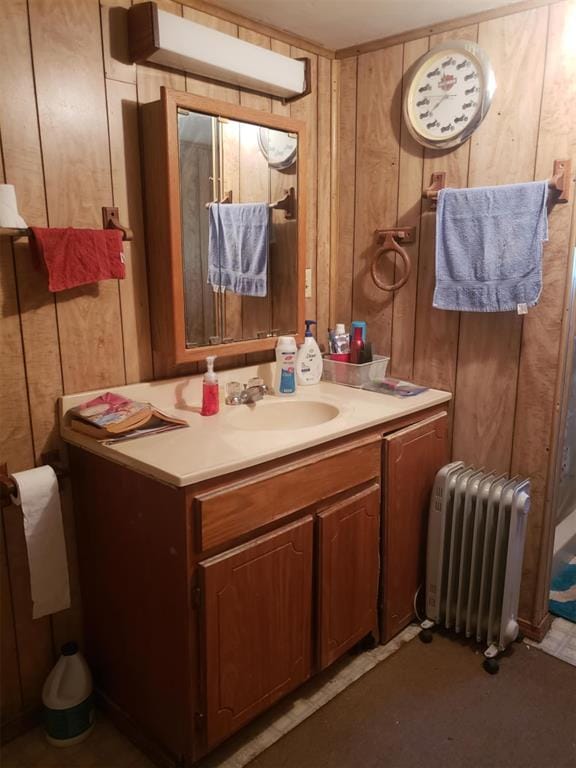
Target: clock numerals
[[423, 103], [474, 89], [449, 62], [461, 119], [422, 115], [463, 64], [471, 76], [425, 88], [468, 104], [449, 127], [434, 73], [433, 124]]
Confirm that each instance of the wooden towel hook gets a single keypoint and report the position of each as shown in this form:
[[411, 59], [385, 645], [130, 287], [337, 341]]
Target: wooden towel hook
[[226, 200], [389, 240], [437, 182], [110, 220], [286, 204]]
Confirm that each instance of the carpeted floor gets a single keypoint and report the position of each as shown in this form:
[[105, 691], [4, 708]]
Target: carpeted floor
[[433, 706]]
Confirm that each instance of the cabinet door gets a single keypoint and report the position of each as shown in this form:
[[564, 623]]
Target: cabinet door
[[412, 457], [256, 606], [349, 546]]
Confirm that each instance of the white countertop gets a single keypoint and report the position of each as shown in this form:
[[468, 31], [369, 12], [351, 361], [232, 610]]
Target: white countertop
[[213, 446]]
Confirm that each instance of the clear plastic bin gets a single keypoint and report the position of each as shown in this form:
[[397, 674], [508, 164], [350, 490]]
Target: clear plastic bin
[[352, 375]]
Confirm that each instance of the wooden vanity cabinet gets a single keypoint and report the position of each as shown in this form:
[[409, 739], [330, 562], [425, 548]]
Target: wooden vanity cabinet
[[348, 569], [204, 605], [256, 636], [411, 459]]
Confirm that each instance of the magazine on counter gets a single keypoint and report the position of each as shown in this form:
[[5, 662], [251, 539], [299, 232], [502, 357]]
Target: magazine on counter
[[113, 417]]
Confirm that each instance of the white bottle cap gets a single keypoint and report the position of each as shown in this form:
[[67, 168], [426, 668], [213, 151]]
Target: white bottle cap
[[340, 329]]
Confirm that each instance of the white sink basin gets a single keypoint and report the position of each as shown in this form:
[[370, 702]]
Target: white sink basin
[[285, 415]]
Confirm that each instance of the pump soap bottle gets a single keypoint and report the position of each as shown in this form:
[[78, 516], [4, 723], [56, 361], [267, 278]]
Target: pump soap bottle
[[210, 393], [309, 361]]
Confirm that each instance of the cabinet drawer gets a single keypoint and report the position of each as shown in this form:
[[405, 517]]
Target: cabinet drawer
[[228, 512]]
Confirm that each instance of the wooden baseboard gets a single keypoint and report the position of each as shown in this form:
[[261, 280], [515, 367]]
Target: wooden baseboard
[[536, 631], [23, 722]]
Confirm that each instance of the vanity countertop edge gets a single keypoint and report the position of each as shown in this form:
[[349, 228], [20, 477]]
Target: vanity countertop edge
[[210, 447]]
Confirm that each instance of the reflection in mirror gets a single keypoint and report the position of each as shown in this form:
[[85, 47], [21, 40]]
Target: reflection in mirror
[[239, 232]]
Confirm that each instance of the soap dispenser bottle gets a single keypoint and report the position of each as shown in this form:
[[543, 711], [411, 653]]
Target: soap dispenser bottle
[[210, 393], [309, 361]]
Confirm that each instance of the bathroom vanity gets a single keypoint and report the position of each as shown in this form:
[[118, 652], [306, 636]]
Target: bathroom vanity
[[224, 564]]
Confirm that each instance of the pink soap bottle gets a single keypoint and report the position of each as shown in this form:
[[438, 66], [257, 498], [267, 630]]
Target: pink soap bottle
[[210, 393]]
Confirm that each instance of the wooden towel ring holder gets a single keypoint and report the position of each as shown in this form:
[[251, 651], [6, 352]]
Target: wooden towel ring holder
[[390, 240]]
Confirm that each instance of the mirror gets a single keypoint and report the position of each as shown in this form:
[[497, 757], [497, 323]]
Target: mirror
[[225, 228], [238, 190]]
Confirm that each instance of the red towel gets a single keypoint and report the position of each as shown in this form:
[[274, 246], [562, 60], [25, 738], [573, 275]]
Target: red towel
[[76, 257]]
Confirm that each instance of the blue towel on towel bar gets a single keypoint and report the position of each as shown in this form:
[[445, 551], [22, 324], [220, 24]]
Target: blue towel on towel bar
[[238, 243], [489, 247]]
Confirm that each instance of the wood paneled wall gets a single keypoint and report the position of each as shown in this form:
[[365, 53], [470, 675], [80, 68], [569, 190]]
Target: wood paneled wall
[[501, 367], [70, 144]]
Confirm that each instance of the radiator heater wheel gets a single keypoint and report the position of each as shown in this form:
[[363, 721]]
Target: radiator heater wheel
[[491, 666]]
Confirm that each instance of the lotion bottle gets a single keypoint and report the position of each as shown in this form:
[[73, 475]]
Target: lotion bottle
[[309, 359], [285, 380], [210, 393]]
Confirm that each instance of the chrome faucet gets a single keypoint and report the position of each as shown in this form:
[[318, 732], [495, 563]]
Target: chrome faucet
[[239, 394]]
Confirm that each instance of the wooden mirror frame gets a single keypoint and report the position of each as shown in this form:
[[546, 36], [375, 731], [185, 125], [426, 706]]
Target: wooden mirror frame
[[164, 231]]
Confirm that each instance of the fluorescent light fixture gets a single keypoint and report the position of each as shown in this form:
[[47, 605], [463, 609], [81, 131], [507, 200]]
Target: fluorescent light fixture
[[172, 41]]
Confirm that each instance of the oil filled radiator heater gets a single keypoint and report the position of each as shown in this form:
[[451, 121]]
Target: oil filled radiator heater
[[476, 533]]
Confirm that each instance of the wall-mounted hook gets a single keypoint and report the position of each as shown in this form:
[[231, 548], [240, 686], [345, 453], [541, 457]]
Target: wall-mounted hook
[[390, 240], [110, 221], [437, 182]]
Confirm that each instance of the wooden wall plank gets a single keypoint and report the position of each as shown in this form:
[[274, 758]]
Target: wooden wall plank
[[10, 690], [436, 342], [409, 208], [127, 195], [377, 157], [114, 21], [69, 75], [343, 257], [306, 109], [503, 151], [33, 639], [23, 164], [324, 187], [542, 331]]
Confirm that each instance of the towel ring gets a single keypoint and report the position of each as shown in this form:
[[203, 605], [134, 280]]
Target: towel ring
[[390, 244]]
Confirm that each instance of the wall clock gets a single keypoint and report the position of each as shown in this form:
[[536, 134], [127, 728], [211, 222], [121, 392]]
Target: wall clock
[[278, 147], [448, 94]]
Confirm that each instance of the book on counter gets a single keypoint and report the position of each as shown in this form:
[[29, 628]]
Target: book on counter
[[113, 418]]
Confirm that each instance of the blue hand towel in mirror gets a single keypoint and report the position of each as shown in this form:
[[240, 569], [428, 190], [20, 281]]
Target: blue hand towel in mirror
[[489, 247], [238, 245]]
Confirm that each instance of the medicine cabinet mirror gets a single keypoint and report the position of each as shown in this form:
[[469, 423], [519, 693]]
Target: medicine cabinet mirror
[[225, 227]]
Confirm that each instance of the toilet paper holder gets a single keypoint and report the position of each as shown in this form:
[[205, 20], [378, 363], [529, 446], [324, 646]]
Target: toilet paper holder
[[8, 486]]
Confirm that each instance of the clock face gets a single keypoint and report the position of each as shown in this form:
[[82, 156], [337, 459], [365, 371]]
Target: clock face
[[278, 147], [449, 94]]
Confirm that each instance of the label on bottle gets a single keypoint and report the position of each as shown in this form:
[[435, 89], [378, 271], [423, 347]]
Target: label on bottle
[[287, 380]]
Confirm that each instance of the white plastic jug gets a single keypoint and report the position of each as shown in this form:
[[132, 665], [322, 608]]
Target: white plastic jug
[[68, 700]]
